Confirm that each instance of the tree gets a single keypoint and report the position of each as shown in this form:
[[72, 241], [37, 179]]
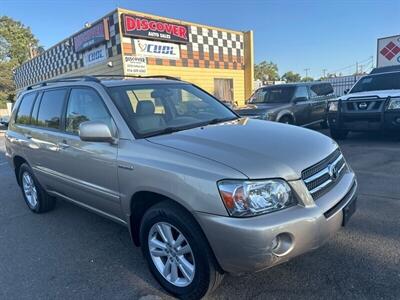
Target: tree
[[307, 79], [291, 77], [16, 40], [266, 71]]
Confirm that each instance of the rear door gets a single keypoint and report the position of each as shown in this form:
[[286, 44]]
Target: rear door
[[88, 169], [301, 107], [45, 136], [319, 94]]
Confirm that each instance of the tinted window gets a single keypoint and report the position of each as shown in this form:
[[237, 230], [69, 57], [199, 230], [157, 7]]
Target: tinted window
[[85, 105], [301, 92], [24, 111], [322, 89], [50, 109], [388, 81]]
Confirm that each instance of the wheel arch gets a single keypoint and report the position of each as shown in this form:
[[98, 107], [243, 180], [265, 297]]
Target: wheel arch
[[17, 162], [141, 201], [286, 114]]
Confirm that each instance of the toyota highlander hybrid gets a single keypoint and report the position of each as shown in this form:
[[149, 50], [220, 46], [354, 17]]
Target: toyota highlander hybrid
[[373, 103], [203, 191]]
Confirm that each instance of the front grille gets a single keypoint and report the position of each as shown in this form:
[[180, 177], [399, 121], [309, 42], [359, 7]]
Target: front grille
[[322, 176], [364, 105]]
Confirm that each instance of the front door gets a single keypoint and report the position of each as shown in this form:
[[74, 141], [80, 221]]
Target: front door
[[89, 169], [223, 89]]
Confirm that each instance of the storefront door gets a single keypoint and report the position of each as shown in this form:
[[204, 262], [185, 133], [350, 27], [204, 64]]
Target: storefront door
[[223, 89]]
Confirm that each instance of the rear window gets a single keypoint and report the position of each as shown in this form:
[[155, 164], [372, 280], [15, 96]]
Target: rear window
[[322, 89], [25, 108], [50, 110]]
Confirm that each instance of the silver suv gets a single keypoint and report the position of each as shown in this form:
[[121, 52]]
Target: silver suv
[[201, 190]]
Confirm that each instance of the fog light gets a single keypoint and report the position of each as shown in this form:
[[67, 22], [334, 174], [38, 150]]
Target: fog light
[[282, 244], [398, 120]]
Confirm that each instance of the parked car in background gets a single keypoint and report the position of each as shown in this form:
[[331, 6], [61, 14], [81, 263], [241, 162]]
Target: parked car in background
[[301, 104], [4, 121], [203, 191], [373, 103]]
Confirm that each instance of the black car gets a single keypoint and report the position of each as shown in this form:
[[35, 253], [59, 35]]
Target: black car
[[303, 104], [373, 103]]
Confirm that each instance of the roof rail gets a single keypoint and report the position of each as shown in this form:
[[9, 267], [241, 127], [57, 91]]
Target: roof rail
[[94, 78], [136, 76], [63, 79]]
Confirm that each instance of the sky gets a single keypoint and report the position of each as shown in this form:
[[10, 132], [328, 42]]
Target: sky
[[296, 35]]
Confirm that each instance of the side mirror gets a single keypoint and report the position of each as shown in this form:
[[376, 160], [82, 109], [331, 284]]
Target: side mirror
[[346, 91], [94, 131], [300, 99]]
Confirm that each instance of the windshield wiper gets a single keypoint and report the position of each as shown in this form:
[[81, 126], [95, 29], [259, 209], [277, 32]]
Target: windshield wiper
[[219, 120], [173, 129]]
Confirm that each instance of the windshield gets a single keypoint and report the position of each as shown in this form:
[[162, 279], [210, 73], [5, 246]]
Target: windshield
[[385, 81], [164, 108], [273, 95]]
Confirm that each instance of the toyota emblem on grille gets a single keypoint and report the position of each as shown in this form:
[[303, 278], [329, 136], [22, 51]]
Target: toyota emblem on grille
[[333, 172], [362, 105]]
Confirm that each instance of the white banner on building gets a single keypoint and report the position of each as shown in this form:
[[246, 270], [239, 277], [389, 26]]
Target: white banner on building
[[95, 56], [135, 65], [157, 49], [388, 51]]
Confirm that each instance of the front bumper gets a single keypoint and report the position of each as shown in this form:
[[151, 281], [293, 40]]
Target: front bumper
[[244, 245], [386, 120]]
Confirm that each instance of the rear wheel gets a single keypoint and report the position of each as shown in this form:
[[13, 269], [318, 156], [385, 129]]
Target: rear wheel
[[34, 195], [177, 252], [339, 134]]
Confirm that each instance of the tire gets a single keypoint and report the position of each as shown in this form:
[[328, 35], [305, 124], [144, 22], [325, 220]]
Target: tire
[[34, 195], [286, 120], [206, 276], [339, 134], [324, 124]]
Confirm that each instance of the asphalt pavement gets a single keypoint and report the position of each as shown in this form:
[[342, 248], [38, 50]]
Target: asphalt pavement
[[70, 253]]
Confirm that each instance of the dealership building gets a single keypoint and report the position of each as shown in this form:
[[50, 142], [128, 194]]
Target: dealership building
[[127, 42]]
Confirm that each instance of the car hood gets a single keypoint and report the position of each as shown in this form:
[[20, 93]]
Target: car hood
[[380, 94], [258, 149], [255, 109]]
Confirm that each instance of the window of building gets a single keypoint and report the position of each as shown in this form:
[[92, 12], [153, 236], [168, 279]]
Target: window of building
[[50, 110], [25, 108], [85, 105]]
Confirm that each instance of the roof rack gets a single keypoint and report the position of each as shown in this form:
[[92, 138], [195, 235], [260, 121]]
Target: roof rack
[[63, 79], [136, 76], [94, 78]]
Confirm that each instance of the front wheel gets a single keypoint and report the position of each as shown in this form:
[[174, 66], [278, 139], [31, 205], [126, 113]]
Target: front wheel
[[286, 120], [177, 252], [339, 134]]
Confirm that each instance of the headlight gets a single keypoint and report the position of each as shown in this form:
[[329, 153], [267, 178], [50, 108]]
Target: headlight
[[333, 106], [249, 198], [394, 103]]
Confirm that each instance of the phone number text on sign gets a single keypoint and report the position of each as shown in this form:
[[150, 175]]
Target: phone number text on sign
[[135, 65]]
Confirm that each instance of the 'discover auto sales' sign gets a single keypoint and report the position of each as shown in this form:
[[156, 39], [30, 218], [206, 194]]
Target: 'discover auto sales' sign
[[154, 29]]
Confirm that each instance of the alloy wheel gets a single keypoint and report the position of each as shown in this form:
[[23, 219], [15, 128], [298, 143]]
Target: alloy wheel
[[171, 254], [30, 190]]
